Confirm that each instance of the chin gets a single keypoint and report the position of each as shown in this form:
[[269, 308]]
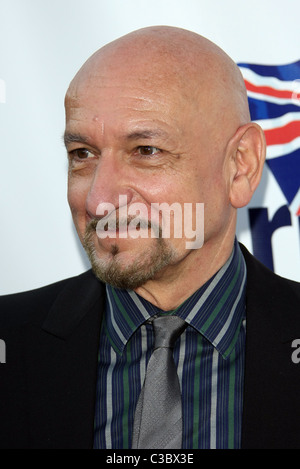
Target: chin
[[128, 269]]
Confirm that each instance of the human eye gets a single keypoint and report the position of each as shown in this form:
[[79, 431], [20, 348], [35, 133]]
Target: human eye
[[148, 150], [81, 154]]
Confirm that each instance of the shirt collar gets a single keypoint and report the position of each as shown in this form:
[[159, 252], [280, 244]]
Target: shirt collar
[[215, 310]]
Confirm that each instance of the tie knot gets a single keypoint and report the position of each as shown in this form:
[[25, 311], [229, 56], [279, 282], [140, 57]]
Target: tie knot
[[166, 330]]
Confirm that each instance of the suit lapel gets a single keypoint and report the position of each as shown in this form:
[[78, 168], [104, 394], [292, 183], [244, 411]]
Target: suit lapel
[[73, 303], [62, 367], [270, 415]]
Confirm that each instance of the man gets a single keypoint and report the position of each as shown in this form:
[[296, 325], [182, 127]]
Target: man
[[159, 116]]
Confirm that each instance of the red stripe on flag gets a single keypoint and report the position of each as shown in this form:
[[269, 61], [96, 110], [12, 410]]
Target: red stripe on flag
[[285, 134], [267, 90]]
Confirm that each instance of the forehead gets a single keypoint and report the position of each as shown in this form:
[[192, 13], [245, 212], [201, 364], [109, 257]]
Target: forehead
[[125, 99], [100, 92]]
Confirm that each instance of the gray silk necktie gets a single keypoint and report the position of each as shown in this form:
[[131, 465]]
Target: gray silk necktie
[[158, 415]]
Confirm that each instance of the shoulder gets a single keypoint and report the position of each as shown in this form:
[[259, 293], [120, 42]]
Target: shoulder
[[25, 306], [262, 278], [272, 301]]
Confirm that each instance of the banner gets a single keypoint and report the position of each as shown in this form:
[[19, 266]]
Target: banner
[[274, 101]]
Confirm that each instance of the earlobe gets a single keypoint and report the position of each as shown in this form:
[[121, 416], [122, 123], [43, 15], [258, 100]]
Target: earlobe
[[248, 150]]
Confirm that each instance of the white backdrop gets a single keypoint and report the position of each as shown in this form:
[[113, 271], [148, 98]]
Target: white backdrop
[[42, 45]]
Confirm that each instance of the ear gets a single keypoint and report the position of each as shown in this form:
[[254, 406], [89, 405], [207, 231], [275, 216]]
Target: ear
[[248, 152]]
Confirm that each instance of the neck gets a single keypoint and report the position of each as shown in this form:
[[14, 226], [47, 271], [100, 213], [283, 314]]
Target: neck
[[179, 281]]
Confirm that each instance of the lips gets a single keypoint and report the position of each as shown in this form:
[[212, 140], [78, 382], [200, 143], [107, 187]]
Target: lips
[[131, 228]]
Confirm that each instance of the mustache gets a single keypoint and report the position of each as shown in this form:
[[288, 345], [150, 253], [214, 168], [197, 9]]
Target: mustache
[[125, 222]]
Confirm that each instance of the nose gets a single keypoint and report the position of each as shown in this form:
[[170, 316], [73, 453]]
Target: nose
[[107, 185]]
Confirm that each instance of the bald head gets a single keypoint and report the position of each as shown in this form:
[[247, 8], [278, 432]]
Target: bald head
[[172, 59]]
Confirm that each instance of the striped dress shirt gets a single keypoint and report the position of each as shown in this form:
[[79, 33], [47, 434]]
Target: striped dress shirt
[[209, 357]]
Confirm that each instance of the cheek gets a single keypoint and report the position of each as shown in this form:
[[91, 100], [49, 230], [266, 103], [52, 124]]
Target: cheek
[[217, 209], [77, 195], [209, 187]]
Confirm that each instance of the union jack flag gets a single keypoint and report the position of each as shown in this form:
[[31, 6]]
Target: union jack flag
[[274, 100]]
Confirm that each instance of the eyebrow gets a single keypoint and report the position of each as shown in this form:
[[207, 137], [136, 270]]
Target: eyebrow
[[69, 137], [144, 134]]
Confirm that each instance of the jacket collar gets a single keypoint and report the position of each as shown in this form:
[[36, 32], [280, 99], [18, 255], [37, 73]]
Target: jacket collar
[[78, 295], [263, 310], [82, 292]]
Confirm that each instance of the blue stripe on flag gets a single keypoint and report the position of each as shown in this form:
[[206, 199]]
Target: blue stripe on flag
[[286, 170], [288, 72], [260, 109]]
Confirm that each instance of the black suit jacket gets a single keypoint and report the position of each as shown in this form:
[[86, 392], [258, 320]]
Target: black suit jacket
[[47, 385]]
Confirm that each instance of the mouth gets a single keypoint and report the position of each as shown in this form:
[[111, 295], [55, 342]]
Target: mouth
[[127, 228]]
